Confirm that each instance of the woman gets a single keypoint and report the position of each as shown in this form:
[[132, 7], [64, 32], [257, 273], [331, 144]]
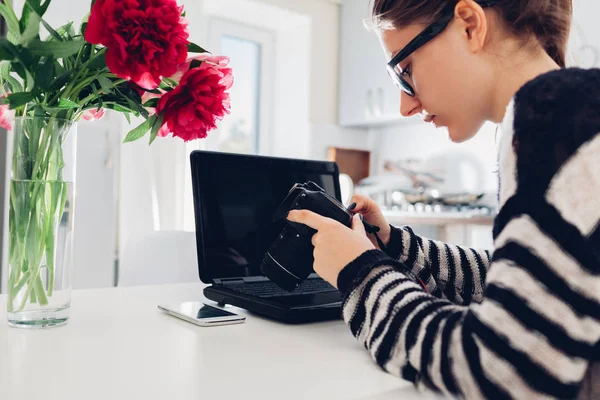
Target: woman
[[523, 322]]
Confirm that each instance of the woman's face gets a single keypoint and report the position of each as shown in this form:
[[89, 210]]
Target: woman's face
[[452, 82]]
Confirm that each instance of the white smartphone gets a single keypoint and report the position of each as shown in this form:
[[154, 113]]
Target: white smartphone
[[202, 314]]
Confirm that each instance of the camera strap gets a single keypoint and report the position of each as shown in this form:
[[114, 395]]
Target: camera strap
[[374, 229]]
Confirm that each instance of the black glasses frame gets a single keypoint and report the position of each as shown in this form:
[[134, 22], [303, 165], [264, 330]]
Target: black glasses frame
[[420, 40]]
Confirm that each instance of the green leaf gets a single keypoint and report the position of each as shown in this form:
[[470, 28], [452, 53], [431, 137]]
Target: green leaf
[[25, 14], [18, 99], [171, 82], [4, 69], [141, 130], [195, 64], [67, 104], [15, 85], [98, 61], [40, 10], [38, 7], [18, 68], [44, 73], [44, 7], [12, 22], [194, 48], [105, 84], [127, 117], [152, 103], [84, 23], [31, 30], [66, 29], [60, 81], [156, 127], [13, 37], [117, 107], [24, 74], [8, 51], [55, 49], [54, 34]]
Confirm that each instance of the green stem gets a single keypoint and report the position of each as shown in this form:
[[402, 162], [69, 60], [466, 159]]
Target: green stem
[[24, 279], [36, 207], [39, 291]]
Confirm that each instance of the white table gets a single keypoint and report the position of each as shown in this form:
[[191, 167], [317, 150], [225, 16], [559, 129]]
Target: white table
[[118, 345]]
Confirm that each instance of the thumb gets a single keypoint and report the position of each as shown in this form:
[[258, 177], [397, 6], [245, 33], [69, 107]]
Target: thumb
[[357, 224]]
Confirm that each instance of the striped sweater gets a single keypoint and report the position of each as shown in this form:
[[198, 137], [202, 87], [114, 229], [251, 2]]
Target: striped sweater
[[522, 322]]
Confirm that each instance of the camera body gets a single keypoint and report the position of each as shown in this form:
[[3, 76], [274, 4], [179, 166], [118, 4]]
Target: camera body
[[290, 259]]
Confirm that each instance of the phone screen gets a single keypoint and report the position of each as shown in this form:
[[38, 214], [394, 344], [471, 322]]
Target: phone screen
[[211, 312], [199, 310]]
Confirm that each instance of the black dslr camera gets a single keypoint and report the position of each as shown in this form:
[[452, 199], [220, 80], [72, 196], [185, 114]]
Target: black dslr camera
[[290, 259]]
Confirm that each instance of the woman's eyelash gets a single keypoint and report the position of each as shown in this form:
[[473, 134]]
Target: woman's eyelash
[[406, 70]]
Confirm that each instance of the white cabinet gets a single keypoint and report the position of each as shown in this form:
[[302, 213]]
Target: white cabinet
[[367, 95]]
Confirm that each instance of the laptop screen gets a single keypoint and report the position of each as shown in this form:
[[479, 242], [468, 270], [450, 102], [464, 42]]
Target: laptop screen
[[235, 197]]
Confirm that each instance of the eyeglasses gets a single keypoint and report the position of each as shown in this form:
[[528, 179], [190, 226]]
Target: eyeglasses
[[397, 73]]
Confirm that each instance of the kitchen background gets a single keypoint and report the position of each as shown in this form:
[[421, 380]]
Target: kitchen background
[[310, 83]]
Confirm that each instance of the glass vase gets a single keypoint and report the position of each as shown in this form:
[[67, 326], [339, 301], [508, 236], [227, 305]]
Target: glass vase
[[42, 194]]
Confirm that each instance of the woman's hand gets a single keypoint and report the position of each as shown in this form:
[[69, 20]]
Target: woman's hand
[[335, 244], [371, 214]]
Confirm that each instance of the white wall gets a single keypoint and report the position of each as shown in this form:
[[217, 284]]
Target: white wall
[[324, 55], [585, 43]]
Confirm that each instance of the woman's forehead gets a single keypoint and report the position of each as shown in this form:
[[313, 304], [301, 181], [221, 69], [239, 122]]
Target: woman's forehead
[[394, 40]]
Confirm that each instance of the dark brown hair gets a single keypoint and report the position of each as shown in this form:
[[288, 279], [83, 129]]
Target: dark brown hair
[[548, 20]]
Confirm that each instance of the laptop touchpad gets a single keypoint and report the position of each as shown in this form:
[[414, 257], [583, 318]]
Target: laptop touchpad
[[309, 300]]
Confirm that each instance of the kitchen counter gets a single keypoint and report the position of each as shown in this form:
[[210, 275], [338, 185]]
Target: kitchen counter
[[438, 218]]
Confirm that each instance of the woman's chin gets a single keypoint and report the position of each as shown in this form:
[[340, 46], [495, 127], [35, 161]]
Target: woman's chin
[[458, 135]]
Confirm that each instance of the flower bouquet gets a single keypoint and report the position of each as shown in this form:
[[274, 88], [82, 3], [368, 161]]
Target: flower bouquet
[[129, 56]]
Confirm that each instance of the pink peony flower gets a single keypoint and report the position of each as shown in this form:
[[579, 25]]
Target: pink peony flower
[[93, 114], [217, 61], [164, 131], [7, 116]]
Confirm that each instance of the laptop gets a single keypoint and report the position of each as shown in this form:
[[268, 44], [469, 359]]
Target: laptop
[[235, 197]]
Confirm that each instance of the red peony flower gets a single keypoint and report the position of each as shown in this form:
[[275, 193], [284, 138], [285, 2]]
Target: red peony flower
[[194, 106], [146, 39]]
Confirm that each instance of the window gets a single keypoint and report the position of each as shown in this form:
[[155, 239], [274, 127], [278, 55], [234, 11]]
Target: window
[[251, 51], [248, 128], [239, 132]]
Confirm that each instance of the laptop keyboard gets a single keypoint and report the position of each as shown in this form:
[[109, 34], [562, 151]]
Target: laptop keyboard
[[269, 289]]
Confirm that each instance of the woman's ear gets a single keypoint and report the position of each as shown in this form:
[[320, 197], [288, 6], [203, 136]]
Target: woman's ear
[[473, 22]]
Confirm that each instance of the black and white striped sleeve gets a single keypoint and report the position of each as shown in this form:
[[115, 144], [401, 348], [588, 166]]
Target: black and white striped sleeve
[[533, 336], [452, 272]]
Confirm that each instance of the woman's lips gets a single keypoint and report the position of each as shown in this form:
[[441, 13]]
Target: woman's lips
[[429, 118]]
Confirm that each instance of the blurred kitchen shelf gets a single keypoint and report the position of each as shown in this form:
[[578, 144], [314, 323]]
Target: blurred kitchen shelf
[[383, 121], [438, 218]]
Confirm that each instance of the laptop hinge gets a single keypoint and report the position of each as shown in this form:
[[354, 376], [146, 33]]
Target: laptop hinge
[[229, 281]]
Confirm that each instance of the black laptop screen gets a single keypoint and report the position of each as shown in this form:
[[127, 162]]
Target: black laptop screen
[[235, 197]]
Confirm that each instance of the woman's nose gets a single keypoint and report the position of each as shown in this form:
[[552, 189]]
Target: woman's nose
[[409, 106]]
